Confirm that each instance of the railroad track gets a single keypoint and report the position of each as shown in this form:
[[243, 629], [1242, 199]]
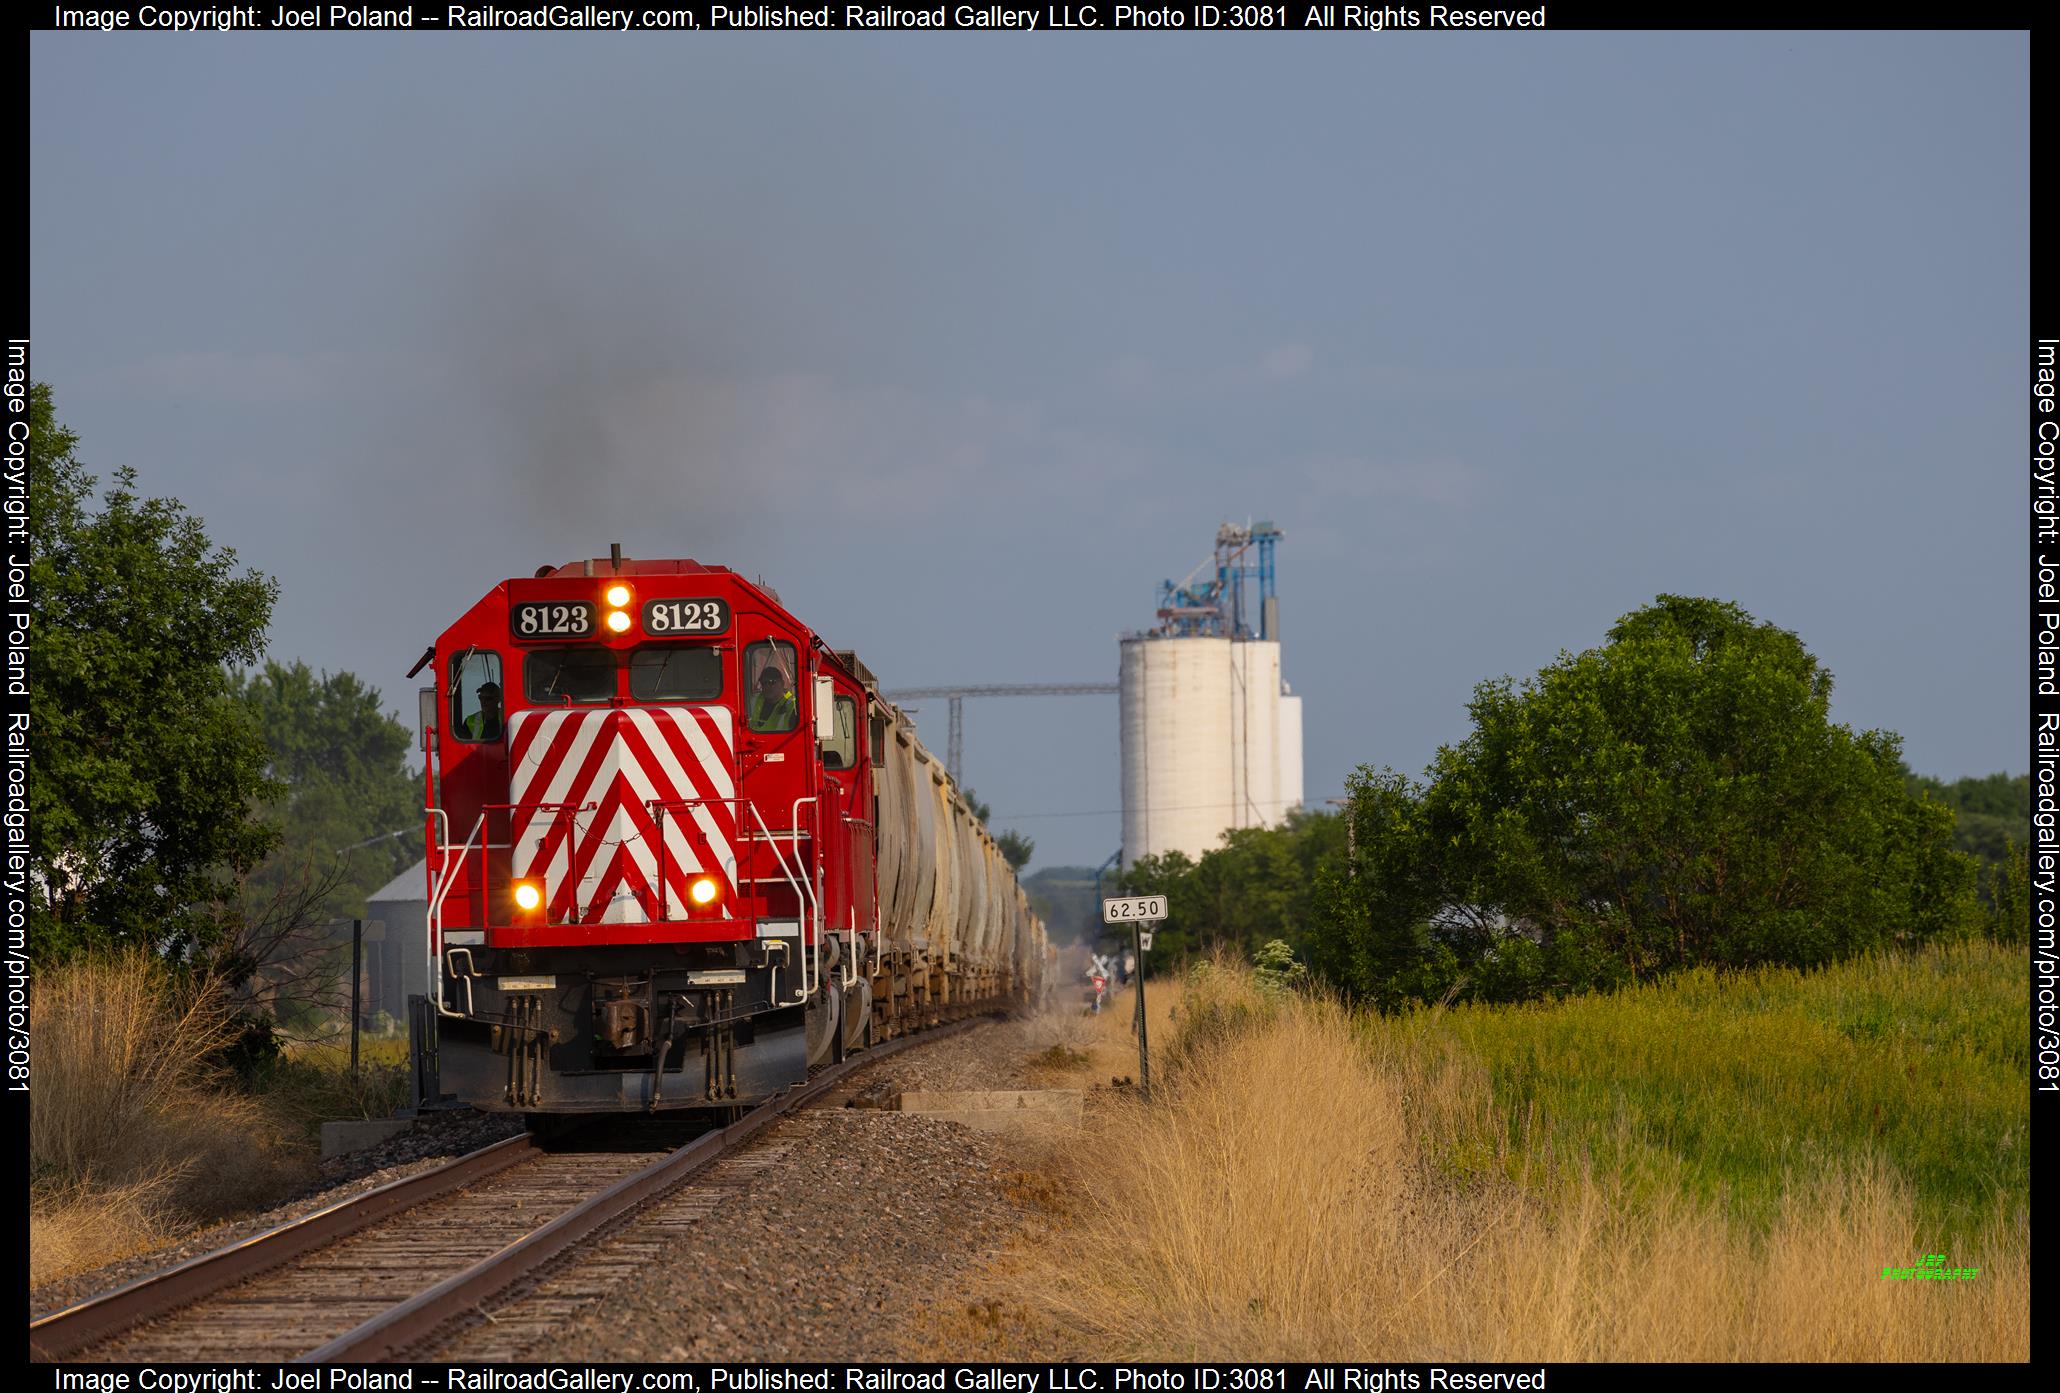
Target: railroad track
[[382, 1276]]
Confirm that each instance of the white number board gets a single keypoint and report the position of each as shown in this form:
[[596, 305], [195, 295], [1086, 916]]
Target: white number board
[[1134, 910]]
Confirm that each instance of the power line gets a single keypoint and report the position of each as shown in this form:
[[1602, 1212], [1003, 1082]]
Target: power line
[[1107, 812], [955, 745]]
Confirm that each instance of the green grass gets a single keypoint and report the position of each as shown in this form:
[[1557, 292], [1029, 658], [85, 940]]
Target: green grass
[[1733, 1086]]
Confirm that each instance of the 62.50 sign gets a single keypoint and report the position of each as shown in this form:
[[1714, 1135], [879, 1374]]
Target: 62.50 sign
[[1137, 909]]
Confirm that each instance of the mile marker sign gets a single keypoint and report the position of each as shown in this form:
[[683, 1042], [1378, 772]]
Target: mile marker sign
[[1138, 909]]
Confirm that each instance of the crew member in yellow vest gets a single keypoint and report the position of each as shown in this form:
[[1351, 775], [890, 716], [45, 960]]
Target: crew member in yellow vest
[[772, 705], [485, 723]]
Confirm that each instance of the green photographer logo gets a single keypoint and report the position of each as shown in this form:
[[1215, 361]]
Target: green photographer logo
[[1930, 1268]]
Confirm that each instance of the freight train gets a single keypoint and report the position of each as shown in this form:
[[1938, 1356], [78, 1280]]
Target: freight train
[[681, 851]]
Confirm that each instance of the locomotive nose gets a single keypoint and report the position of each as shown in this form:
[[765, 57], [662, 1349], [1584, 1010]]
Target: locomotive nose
[[623, 814]]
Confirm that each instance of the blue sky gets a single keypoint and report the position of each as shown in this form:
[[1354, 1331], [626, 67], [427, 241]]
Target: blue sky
[[964, 342]]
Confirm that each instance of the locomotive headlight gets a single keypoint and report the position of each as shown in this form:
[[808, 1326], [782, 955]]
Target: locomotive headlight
[[618, 620], [703, 891], [529, 895], [618, 595]]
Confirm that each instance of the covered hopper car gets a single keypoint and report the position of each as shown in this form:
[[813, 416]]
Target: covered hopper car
[[680, 851]]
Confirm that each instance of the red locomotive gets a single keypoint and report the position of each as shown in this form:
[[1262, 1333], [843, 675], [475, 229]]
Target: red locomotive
[[680, 851]]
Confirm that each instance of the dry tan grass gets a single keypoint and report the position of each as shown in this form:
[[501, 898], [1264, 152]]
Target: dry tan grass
[[133, 1137], [1273, 1202], [79, 1227]]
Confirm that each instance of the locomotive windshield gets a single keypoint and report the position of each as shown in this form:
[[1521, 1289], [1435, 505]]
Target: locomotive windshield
[[560, 675], [675, 672]]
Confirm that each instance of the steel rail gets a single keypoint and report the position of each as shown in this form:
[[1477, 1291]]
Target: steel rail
[[400, 1329], [64, 1333]]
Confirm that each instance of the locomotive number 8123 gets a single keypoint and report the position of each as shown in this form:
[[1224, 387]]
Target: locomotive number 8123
[[680, 849]]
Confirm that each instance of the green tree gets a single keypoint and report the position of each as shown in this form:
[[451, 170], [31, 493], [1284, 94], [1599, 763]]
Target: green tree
[[344, 783], [146, 768], [349, 815], [2006, 894], [1016, 848], [1172, 874], [1679, 795], [1989, 813], [1389, 923], [1257, 886]]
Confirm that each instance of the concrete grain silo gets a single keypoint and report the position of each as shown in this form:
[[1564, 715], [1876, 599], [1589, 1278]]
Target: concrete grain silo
[[1290, 751], [1210, 740]]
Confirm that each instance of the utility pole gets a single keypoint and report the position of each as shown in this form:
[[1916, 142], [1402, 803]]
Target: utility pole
[[357, 977], [955, 747]]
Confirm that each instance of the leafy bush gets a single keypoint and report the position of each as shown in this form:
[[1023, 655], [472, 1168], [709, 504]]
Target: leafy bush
[[1274, 968]]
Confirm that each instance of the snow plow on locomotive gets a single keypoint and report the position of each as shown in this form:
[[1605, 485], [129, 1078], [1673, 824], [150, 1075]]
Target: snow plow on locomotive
[[681, 851]]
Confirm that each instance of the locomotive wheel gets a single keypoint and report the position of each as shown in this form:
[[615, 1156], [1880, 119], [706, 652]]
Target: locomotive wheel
[[823, 1026]]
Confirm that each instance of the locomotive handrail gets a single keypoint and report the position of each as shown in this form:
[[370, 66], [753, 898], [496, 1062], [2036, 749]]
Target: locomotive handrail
[[444, 881], [800, 894], [815, 903], [853, 973], [806, 891], [434, 938]]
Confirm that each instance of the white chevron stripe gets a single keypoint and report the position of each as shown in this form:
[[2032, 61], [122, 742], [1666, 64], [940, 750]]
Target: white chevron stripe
[[661, 751], [558, 790], [679, 851], [716, 776], [715, 762], [620, 769], [559, 787]]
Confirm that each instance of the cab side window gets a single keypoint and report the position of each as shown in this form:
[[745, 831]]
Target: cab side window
[[841, 750], [769, 702], [477, 711]]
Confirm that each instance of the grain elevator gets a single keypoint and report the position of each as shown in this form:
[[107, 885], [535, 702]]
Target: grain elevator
[[1211, 735]]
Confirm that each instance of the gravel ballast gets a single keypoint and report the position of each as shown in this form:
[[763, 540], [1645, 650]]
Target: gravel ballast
[[849, 1233], [842, 1233]]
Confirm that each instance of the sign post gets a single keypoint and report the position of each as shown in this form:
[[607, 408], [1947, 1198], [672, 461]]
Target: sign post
[[1139, 912]]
